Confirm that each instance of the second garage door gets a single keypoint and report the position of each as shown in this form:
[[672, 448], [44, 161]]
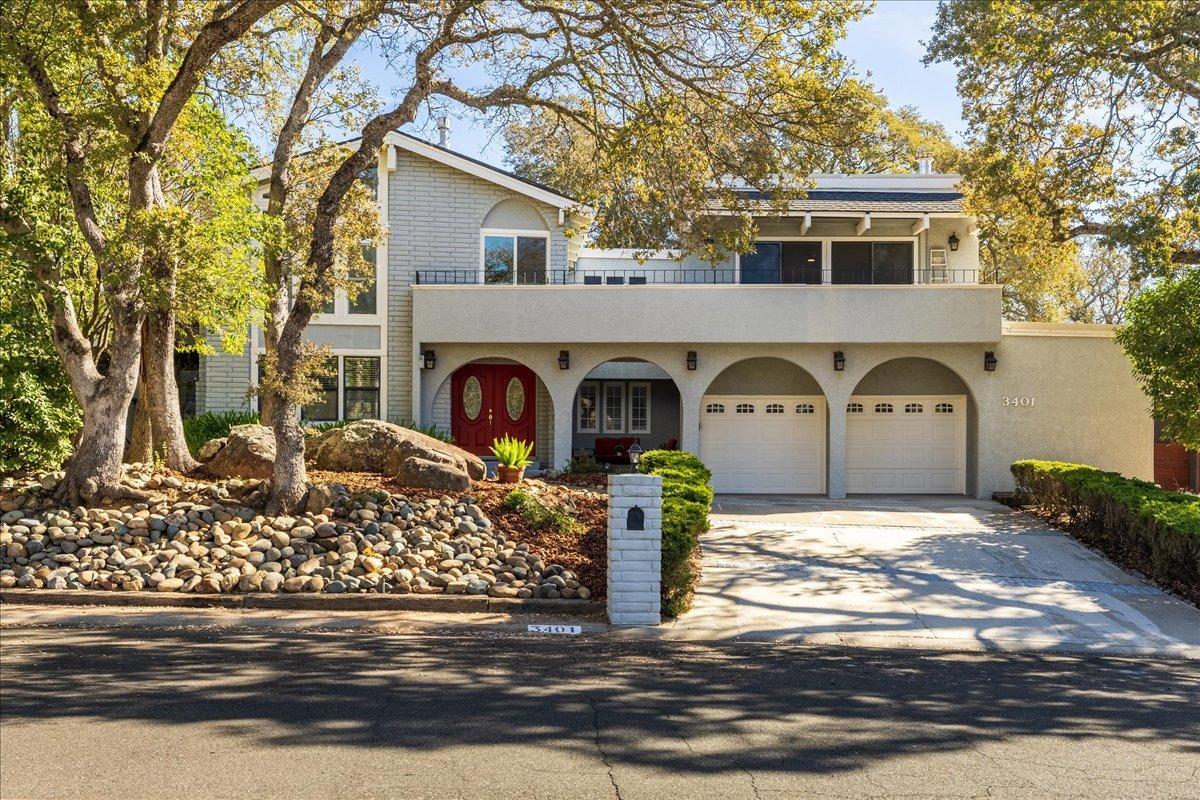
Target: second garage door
[[764, 444], [906, 444]]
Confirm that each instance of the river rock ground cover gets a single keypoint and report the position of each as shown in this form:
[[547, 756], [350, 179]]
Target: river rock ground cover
[[358, 533]]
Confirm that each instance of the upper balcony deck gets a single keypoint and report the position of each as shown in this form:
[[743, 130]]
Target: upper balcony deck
[[704, 306]]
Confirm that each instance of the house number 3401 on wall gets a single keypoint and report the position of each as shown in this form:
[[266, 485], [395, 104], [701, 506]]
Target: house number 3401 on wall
[[1021, 402]]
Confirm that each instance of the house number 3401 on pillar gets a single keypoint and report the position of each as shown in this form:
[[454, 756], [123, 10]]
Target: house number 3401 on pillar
[[1024, 401]]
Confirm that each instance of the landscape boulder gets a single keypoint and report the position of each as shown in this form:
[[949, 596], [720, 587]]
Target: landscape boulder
[[411, 457], [249, 452], [209, 449]]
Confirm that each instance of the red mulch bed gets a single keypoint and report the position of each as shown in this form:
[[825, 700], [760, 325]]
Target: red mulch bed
[[585, 554]]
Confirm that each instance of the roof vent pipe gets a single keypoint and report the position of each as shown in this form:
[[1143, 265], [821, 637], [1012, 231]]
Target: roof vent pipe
[[443, 132], [925, 164]]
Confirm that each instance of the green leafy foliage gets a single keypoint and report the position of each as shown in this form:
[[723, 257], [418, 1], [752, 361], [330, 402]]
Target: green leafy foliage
[[512, 452], [1162, 340], [687, 499], [38, 414], [203, 428], [539, 515], [581, 465], [1121, 515]]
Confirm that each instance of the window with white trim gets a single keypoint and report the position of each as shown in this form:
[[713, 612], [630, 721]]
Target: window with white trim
[[614, 408], [805, 408], [325, 407], [587, 414], [884, 408], [360, 387], [714, 408], [854, 408], [914, 408], [744, 408], [639, 407], [515, 257]]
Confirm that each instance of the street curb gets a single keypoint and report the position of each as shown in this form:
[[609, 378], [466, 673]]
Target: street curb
[[583, 609]]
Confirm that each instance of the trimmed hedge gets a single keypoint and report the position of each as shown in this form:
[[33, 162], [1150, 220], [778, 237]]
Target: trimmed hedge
[[1122, 514], [687, 499]]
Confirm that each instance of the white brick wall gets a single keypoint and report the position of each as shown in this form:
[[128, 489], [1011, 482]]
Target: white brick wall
[[223, 381], [634, 557]]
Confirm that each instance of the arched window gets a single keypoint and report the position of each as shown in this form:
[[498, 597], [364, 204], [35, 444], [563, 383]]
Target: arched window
[[854, 408], [745, 408], [805, 408], [944, 408], [774, 408], [714, 408], [914, 408], [883, 408]]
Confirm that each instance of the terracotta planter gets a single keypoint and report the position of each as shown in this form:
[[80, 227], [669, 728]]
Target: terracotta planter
[[509, 474]]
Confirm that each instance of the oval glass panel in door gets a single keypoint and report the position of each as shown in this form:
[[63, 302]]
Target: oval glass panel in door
[[514, 399], [472, 397]]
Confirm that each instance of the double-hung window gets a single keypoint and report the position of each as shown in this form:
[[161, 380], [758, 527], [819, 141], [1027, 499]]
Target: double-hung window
[[325, 407], [587, 413], [639, 407], [614, 407], [515, 257], [349, 389]]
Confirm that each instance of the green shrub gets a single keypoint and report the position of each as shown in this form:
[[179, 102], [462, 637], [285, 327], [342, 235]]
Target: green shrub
[[540, 516], [1121, 514], [687, 499], [214, 425], [512, 452], [580, 465]]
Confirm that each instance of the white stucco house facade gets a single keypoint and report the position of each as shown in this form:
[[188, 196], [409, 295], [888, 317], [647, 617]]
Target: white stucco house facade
[[857, 349]]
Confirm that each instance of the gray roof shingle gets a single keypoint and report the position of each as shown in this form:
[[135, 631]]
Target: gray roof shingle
[[873, 200]]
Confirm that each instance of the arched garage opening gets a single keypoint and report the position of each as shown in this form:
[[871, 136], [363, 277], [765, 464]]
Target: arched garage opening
[[911, 428], [489, 398], [623, 401], [763, 429]]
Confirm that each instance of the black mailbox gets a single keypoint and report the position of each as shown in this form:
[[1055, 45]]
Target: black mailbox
[[635, 520]]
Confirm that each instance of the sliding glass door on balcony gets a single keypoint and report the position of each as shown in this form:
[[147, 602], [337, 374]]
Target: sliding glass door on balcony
[[871, 262], [782, 262], [511, 258]]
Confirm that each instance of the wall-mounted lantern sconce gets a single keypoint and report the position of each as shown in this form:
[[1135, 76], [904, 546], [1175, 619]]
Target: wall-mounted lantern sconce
[[839, 361], [691, 360], [429, 359], [564, 359], [953, 242], [990, 361]]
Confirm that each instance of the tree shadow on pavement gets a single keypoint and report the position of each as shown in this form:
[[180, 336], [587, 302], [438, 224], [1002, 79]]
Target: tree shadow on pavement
[[697, 709]]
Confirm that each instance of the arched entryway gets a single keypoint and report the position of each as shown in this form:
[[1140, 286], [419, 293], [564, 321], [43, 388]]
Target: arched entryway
[[910, 429], [489, 398], [763, 429], [621, 402]]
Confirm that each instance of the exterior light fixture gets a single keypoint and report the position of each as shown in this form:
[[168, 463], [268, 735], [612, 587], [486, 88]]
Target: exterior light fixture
[[839, 361], [953, 242], [635, 453], [691, 359], [990, 361], [564, 359], [430, 359]]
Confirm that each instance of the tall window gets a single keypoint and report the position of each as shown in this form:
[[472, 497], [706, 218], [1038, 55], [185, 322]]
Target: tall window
[[587, 415], [639, 408], [325, 407], [511, 258], [614, 408], [364, 298], [361, 387]]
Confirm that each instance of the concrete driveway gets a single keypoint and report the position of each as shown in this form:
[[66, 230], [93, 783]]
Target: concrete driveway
[[921, 572]]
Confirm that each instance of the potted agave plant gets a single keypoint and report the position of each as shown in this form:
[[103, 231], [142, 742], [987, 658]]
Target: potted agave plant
[[513, 457]]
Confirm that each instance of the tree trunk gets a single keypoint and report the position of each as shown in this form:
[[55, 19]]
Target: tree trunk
[[141, 439], [289, 481], [162, 391]]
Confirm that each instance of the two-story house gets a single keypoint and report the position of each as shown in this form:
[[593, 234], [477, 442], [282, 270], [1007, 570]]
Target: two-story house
[[857, 349]]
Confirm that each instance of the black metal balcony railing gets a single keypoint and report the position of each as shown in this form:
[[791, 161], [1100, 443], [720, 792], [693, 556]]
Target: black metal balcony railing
[[720, 275]]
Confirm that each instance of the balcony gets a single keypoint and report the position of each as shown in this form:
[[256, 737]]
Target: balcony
[[814, 276], [701, 306]]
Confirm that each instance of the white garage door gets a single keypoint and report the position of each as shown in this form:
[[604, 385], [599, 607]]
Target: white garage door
[[906, 444], [764, 444]]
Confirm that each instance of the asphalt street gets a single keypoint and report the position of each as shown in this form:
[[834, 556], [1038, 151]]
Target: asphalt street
[[264, 714]]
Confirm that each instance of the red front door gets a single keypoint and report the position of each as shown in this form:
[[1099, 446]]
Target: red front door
[[489, 401]]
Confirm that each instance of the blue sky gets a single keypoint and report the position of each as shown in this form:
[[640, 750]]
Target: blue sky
[[887, 45]]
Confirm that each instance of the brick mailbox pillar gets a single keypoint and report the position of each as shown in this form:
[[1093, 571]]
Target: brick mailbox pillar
[[634, 549]]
